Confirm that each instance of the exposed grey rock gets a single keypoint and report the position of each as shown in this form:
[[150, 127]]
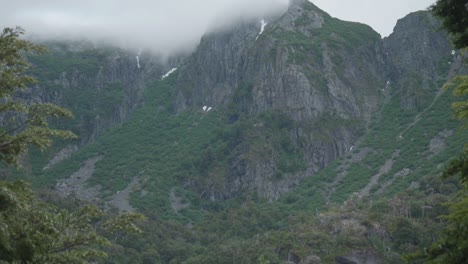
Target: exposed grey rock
[[384, 169], [301, 66], [120, 200], [307, 87], [438, 143], [177, 202], [360, 257], [308, 90], [63, 154], [118, 67], [402, 173], [311, 260], [75, 185], [418, 51], [304, 11]]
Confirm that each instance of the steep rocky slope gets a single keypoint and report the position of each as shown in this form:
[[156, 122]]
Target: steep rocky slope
[[288, 96], [303, 64], [327, 76], [101, 85], [306, 112], [420, 57]]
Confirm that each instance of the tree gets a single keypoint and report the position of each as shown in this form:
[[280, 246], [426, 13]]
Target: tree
[[23, 123], [31, 230], [461, 89], [452, 246], [454, 15]]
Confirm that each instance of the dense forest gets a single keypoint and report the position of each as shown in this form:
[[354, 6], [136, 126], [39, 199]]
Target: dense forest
[[303, 140]]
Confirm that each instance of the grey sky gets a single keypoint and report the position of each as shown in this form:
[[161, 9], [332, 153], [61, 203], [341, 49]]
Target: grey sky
[[171, 25], [381, 15]]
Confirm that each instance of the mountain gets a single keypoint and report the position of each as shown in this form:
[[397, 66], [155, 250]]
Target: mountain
[[324, 76], [306, 112], [313, 76], [102, 85], [288, 97]]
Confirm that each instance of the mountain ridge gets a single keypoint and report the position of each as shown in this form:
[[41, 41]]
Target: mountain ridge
[[323, 141], [310, 76], [321, 88]]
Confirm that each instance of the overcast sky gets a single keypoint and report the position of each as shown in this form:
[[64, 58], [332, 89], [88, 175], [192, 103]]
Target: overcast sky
[[381, 15], [171, 25]]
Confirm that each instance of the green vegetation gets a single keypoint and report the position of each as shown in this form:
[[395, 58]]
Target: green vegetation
[[169, 150], [452, 245], [340, 40], [454, 19], [24, 123], [334, 32], [33, 231], [71, 76], [191, 155]]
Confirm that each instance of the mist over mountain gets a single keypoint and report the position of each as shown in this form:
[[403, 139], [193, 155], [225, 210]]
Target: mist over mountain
[[163, 27], [167, 27], [285, 135]]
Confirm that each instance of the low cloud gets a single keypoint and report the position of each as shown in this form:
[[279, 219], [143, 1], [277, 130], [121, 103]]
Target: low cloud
[[169, 26], [164, 27]]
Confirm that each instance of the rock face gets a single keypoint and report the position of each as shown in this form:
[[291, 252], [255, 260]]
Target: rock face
[[100, 85], [63, 154], [360, 257], [420, 54], [74, 186], [302, 87], [327, 75], [292, 67]]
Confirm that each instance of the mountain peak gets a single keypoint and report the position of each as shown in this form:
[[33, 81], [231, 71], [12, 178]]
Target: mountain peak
[[297, 2], [299, 7]]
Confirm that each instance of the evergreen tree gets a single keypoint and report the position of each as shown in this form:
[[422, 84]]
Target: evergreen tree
[[452, 247], [454, 14], [31, 230], [23, 123]]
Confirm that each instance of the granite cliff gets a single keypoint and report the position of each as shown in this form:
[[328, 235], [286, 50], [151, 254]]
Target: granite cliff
[[327, 76], [290, 94]]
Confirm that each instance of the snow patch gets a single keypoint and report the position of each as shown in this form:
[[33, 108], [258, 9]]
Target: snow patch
[[138, 61], [386, 86], [453, 52], [168, 73], [263, 24], [138, 58], [206, 108]]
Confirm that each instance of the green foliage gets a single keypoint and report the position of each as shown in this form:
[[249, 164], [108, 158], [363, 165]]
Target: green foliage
[[35, 232], [454, 15], [341, 41], [24, 123], [58, 73], [460, 83], [452, 247], [166, 151], [31, 230]]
